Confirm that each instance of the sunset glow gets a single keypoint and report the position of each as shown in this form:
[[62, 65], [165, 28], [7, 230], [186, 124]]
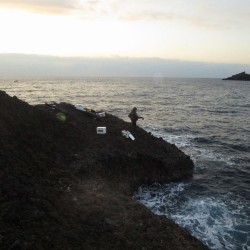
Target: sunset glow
[[204, 30]]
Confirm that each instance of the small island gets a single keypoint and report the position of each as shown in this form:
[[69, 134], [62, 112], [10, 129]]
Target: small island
[[239, 77]]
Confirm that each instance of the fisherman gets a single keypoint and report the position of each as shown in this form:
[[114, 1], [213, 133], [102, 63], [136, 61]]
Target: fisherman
[[134, 118]]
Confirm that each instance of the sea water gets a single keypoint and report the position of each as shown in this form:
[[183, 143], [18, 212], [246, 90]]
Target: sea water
[[208, 119]]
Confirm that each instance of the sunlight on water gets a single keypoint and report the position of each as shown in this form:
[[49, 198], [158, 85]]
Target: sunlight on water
[[206, 118]]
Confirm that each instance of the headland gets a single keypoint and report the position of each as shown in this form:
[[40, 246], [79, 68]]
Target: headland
[[63, 186]]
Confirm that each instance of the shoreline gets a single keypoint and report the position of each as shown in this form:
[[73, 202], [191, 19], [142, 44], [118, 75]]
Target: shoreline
[[65, 187]]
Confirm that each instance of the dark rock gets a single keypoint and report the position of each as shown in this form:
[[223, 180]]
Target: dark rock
[[16, 245], [63, 186], [239, 77]]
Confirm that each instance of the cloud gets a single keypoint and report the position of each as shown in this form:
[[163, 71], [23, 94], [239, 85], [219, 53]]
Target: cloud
[[161, 16], [42, 6], [199, 13], [146, 16], [86, 9], [21, 65]]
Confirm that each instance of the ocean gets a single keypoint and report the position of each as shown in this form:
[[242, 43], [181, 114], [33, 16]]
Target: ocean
[[208, 119]]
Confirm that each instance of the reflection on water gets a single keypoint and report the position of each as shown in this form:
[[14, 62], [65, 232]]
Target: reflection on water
[[208, 119]]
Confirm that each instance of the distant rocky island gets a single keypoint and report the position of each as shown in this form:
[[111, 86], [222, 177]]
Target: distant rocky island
[[239, 77]]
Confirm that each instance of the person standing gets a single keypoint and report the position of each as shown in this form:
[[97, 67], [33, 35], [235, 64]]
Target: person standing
[[134, 118]]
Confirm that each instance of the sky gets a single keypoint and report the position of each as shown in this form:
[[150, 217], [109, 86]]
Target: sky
[[188, 31]]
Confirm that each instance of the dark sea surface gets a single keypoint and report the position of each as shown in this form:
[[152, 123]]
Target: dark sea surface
[[208, 119]]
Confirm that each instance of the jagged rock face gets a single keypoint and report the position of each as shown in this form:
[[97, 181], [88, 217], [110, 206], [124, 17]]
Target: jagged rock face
[[62, 186], [239, 77]]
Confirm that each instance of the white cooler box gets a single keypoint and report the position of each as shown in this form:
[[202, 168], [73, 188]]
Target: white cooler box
[[101, 130]]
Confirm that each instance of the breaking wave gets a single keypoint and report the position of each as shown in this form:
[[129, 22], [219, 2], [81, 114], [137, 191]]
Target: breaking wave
[[219, 222]]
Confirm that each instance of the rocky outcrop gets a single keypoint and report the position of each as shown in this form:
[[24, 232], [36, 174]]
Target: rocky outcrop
[[239, 77], [62, 186]]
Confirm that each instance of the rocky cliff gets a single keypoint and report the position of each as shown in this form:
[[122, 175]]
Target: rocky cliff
[[62, 186]]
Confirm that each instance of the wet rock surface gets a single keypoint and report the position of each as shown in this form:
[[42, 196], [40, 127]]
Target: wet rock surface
[[62, 186]]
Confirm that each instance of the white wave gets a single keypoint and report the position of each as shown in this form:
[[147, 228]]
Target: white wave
[[181, 141], [186, 143], [220, 222]]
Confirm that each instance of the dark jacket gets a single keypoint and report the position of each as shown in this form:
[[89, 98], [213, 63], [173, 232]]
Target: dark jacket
[[133, 115]]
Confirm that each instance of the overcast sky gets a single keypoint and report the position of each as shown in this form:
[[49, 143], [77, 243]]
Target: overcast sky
[[212, 33]]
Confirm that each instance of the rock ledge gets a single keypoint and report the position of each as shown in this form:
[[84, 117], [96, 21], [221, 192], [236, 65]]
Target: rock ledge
[[62, 186]]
